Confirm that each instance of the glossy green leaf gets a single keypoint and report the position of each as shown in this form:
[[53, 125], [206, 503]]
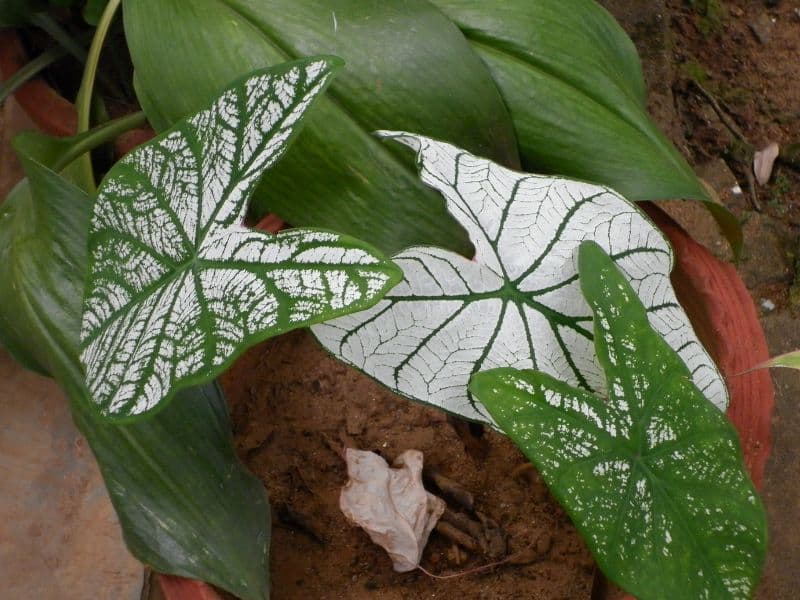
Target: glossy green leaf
[[186, 504], [407, 67], [43, 224], [572, 81], [518, 303], [177, 286], [652, 476]]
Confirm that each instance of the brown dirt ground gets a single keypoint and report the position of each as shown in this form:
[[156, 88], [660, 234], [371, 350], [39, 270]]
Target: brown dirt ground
[[294, 408]]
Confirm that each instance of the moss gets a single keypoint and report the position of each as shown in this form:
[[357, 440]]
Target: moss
[[695, 70], [780, 187], [712, 15]]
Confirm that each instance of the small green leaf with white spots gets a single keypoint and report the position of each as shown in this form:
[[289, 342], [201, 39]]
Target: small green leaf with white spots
[[177, 287], [652, 476]]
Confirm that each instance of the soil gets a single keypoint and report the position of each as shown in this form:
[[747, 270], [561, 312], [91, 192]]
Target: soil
[[294, 408]]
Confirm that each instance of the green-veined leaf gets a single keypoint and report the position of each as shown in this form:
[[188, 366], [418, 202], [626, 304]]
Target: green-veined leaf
[[407, 67], [185, 503], [519, 303], [652, 476], [572, 81], [177, 287]]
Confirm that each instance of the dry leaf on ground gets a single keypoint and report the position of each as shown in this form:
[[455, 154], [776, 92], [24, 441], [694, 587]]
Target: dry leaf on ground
[[763, 161], [391, 504]]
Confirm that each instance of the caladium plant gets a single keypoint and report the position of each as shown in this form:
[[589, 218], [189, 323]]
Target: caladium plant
[[177, 286], [651, 474], [518, 304]]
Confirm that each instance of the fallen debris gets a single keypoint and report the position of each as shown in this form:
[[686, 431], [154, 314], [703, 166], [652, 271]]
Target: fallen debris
[[762, 26], [763, 161], [391, 504]]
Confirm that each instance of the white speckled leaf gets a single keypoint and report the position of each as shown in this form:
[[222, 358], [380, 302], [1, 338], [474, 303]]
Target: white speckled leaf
[[518, 304], [652, 476], [177, 287]]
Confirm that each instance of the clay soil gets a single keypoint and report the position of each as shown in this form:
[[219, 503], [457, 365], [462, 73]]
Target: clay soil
[[294, 408]]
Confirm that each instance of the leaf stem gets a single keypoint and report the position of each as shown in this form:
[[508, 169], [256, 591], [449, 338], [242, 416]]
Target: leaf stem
[[51, 27], [83, 102], [100, 135], [30, 70]]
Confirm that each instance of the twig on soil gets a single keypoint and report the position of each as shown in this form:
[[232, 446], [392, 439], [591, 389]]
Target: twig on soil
[[460, 537], [734, 129], [751, 183], [468, 571], [452, 490], [723, 115]]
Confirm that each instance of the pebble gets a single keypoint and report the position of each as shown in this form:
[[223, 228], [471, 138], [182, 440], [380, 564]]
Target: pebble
[[767, 304], [762, 27], [544, 543]]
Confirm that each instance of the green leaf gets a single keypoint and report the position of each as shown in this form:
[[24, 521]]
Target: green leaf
[[60, 153], [572, 81], [177, 287], [518, 304], [93, 10], [186, 504], [790, 360], [652, 476], [407, 67], [43, 224]]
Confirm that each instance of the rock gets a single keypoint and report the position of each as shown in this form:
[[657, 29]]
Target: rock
[[718, 175], [766, 257], [762, 26]]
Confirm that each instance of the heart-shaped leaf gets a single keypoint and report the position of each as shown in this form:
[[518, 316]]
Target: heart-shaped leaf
[[519, 303], [177, 288], [185, 503], [652, 476]]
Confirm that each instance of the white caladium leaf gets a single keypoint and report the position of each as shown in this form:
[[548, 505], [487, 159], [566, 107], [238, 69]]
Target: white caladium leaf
[[518, 303], [177, 287]]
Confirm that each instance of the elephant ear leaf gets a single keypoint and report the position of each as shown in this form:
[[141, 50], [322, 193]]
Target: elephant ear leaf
[[177, 287], [652, 476], [518, 304]]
